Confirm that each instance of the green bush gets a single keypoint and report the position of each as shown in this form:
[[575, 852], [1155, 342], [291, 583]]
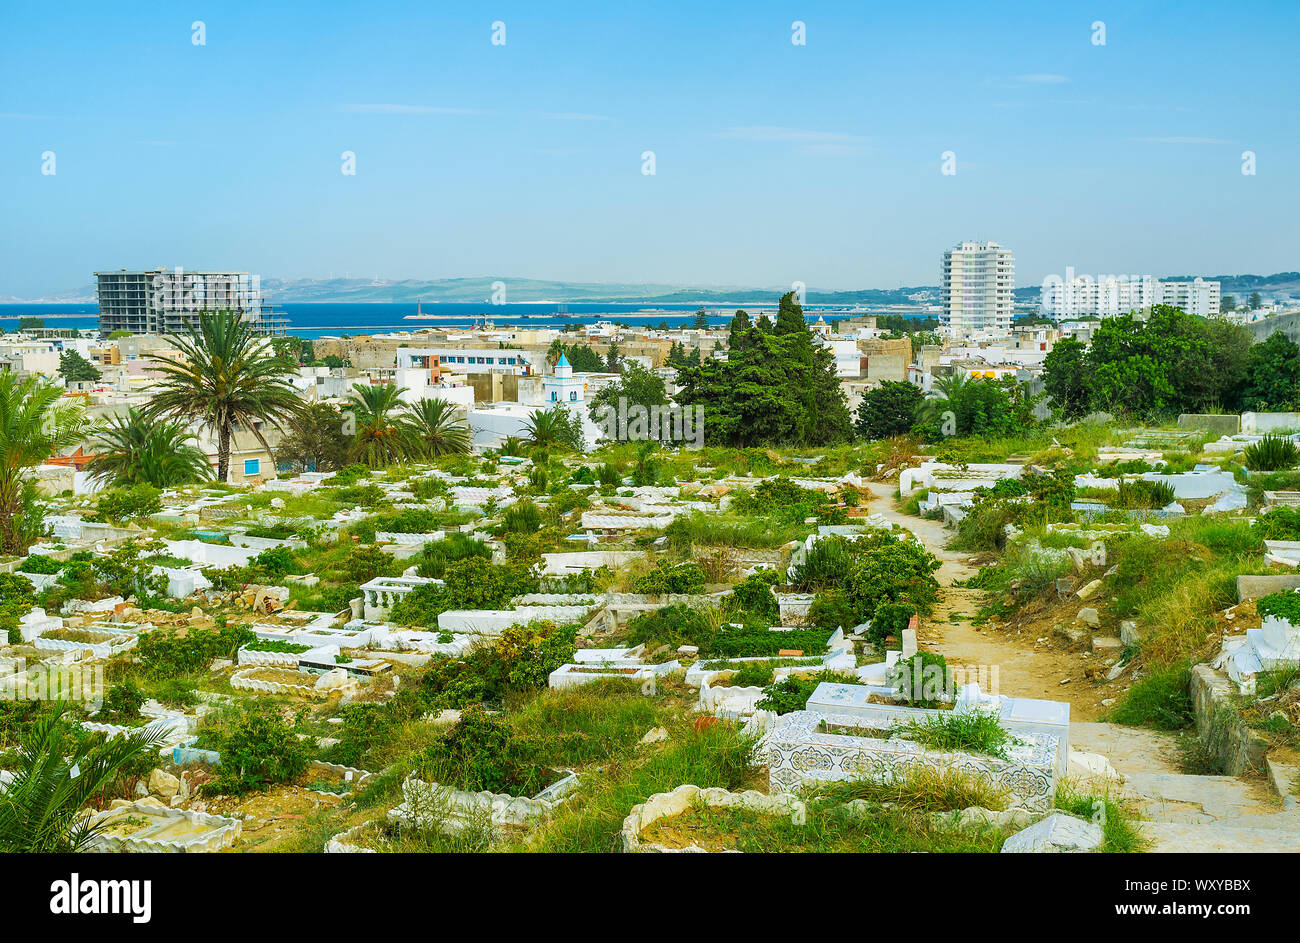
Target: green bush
[[165, 652], [753, 595], [16, 598], [975, 732], [891, 618], [481, 752], [1282, 605], [1271, 453], [832, 610], [123, 702], [277, 562], [1162, 699], [1143, 494], [40, 563], [682, 578], [258, 750], [120, 504], [522, 517], [923, 680], [792, 693], [437, 554]]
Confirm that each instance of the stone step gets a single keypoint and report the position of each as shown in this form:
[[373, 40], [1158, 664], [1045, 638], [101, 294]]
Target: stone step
[[1181, 798], [1279, 832]]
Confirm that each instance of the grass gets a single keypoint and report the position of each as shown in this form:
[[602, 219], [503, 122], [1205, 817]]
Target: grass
[[1119, 826], [718, 755], [921, 789], [828, 828], [975, 732], [1162, 700]]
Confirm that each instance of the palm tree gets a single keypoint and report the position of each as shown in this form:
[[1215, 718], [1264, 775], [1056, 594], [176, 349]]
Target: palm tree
[[382, 434], [437, 430], [543, 428], [226, 375], [33, 427], [947, 388], [134, 451], [554, 426], [41, 810]]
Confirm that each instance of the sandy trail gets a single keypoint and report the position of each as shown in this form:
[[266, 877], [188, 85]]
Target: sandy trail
[[1023, 666]]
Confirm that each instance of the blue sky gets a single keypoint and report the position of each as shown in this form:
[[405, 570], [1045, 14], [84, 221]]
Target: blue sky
[[774, 162]]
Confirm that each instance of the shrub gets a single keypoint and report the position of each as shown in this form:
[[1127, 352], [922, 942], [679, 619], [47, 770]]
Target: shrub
[[891, 618], [16, 597], [754, 674], [1280, 523], [826, 564], [119, 504], [974, 732], [165, 652], [123, 702], [349, 475], [277, 562], [792, 693], [1282, 605], [1163, 699], [832, 610], [682, 578], [481, 752], [437, 554], [40, 563], [923, 680], [258, 750], [522, 517], [366, 562], [1143, 494], [753, 595], [1271, 453]]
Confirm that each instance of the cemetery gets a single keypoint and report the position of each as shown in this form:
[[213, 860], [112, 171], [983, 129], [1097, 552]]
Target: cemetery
[[421, 660]]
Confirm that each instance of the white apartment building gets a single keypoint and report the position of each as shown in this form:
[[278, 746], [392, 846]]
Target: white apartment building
[[454, 359], [977, 281], [1108, 295]]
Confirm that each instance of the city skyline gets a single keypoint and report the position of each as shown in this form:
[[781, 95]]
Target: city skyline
[[774, 162]]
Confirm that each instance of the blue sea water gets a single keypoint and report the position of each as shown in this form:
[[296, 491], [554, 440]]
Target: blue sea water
[[315, 320]]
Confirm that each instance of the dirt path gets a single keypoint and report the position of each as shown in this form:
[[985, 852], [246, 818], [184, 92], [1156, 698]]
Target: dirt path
[[1024, 666]]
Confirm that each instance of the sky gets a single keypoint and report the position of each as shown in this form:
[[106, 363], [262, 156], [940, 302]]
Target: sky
[[774, 162]]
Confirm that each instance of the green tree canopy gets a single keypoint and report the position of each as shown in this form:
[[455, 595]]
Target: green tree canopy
[[890, 410], [73, 367], [779, 388]]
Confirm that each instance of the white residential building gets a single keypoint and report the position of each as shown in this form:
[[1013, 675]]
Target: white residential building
[[1109, 295], [454, 359], [977, 281]]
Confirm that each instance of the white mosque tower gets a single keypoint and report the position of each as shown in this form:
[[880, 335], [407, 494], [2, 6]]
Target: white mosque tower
[[562, 388]]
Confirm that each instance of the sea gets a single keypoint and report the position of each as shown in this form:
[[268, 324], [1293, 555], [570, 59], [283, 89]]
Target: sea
[[321, 319]]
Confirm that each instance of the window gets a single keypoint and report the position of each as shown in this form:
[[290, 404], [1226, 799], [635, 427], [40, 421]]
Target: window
[[251, 466], [573, 396], [553, 397]]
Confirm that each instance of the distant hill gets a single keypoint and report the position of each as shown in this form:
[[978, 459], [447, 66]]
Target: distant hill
[[473, 290], [479, 289]]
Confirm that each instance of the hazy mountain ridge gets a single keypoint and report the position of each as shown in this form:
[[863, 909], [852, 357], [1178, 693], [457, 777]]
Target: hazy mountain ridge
[[480, 289]]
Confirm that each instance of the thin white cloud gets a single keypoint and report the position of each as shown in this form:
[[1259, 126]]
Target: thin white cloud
[[1180, 140], [19, 116], [574, 116], [767, 132], [1042, 78], [389, 109], [836, 150]]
